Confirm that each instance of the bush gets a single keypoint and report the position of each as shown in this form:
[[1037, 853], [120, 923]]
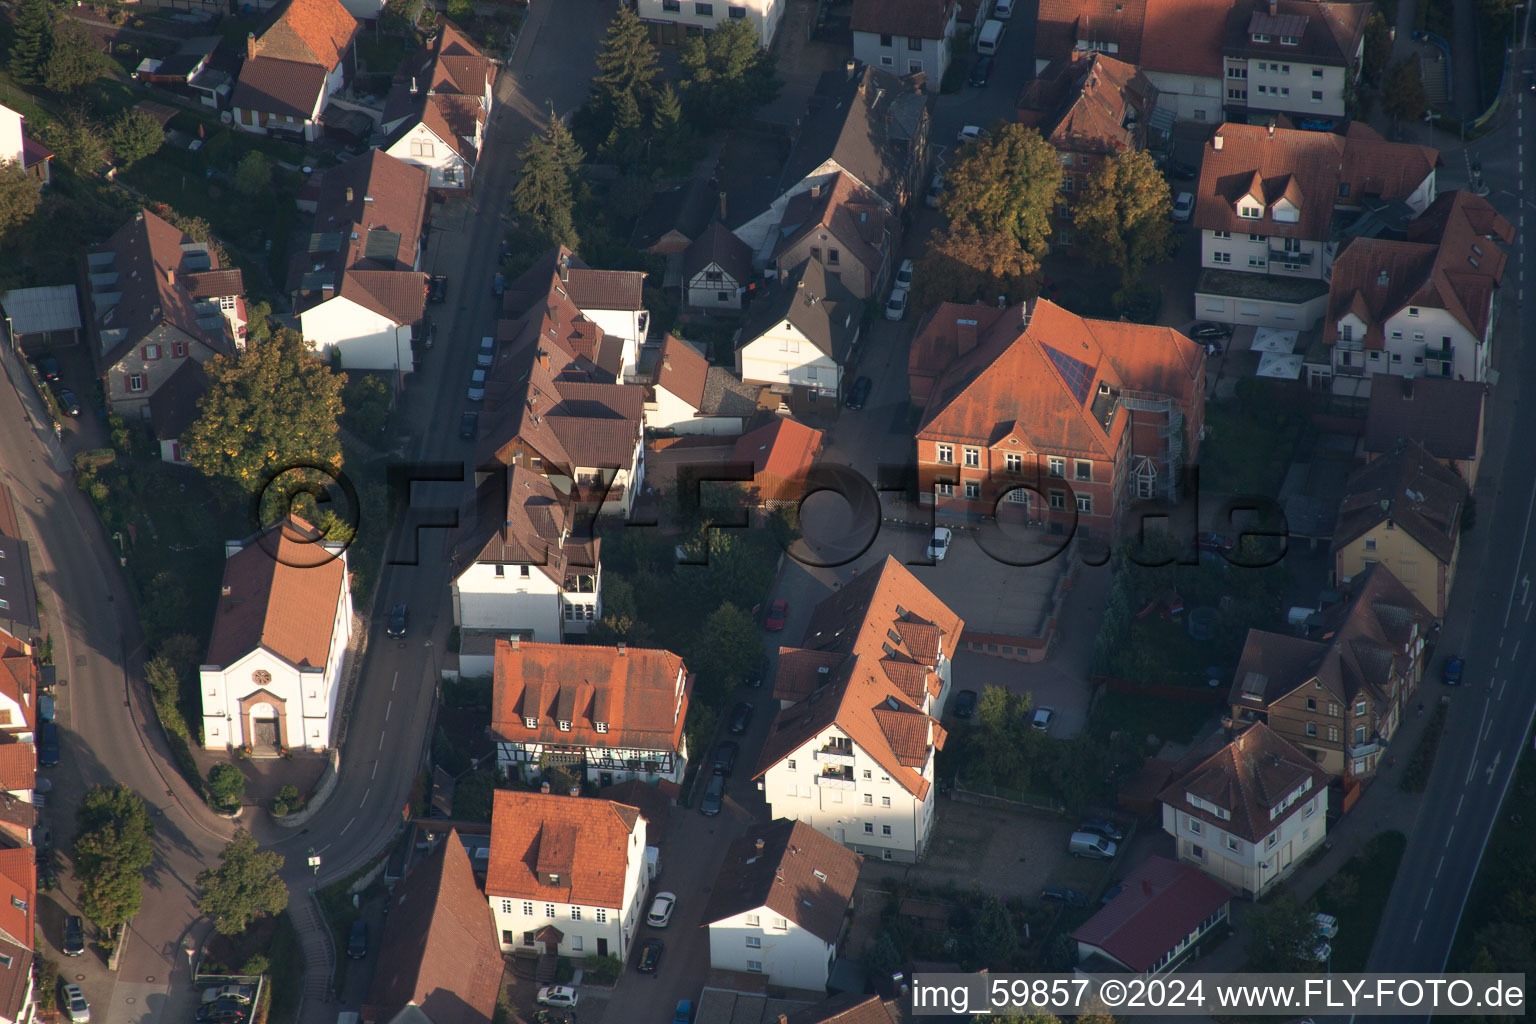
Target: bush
[[601, 970], [226, 786]]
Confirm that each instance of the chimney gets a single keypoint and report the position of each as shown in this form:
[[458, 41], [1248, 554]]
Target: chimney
[[516, 642], [722, 206], [852, 67], [328, 289], [1146, 886], [1382, 278], [965, 336], [413, 85], [349, 193], [1216, 142], [575, 791], [759, 846], [543, 787], [565, 268], [250, 45], [226, 591], [815, 191], [623, 648], [170, 276], [1271, 125], [1272, 5]]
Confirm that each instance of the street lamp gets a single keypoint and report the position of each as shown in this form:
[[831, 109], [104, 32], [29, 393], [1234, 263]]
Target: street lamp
[[191, 958], [314, 861]]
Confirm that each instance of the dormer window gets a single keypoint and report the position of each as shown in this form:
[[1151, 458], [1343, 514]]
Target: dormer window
[[1260, 37], [1290, 40], [554, 879], [1346, 332], [531, 722], [602, 726], [565, 726], [1286, 214], [1248, 211]]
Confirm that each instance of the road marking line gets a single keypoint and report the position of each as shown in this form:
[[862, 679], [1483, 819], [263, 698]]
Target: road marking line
[[1516, 652], [1450, 831], [1440, 865], [381, 741], [392, 704], [1416, 932], [374, 774], [1458, 805], [364, 800], [1429, 897], [349, 825], [394, 682], [1494, 767], [1501, 688], [1530, 506]]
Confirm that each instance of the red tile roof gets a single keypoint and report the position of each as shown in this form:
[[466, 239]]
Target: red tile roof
[[921, 19], [780, 453], [682, 370], [314, 32], [271, 85], [1073, 361], [640, 696], [1326, 33], [18, 767], [1162, 904], [528, 524], [585, 844], [1249, 778], [18, 894], [1062, 24], [1080, 104], [853, 215], [949, 331], [803, 875], [888, 628], [1411, 489], [1316, 171], [1445, 416], [1184, 37], [440, 949], [18, 679], [281, 593]]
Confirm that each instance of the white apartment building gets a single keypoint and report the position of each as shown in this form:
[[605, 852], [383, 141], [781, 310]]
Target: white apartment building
[[780, 903], [671, 21], [436, 113], [852, 755], [1249, 813], [279, 643], [906, 37], [800, 335], [1295, 57], [567, 874]]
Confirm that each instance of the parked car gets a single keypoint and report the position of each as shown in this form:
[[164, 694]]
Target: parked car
[[557, 995], [1086, 844], [1322, 952], [469, 425], [1003, 10], [650, 956], [935, 189], [428, 332], [684, 1012], [1183, 207], [437, 289], [68, 403], [760, 672], [74, 936], [904, 275], [660, 914], [725, 756], [75, 1005], [1327, 926], [397, 619], [896, 305], [45, 708], [938, 547], [48, 745], [965, 704], [971, 133], [477, 386], [1103, 827], [357, 941], [858, 393], [741, 718], [487, 354], [224, 1011], [1205, 330], [778, 611], [499, 285], [239, 993], [48, 368], [1450, 675], [981, 71], [1042, 719], [1068, 897], [713, 798]]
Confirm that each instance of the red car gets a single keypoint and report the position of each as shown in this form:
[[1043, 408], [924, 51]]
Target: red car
[[777, 613]]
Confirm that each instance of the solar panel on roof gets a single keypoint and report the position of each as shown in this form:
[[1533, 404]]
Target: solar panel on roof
[[1077, 374], [382, 245]]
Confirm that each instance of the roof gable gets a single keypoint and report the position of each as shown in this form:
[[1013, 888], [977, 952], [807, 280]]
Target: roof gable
[[1257, 781], [798, 873], [599, 835], [1160, 904], [309, 32]]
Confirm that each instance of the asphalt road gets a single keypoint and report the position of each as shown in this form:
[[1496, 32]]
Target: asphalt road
[[1490, 716]]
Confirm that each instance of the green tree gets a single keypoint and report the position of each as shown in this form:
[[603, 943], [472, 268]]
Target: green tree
[[727, 75], [266, 408], [253, 176], [258, 323], [625, 139], [73, 60], [992, 940], [1378, 48], [111, 850], [728, 657], [31, 42], [963, 263], [626, 65], [244, 888], [544, 194], [670, 144], [1281, 937], [461, 10], [398, 18], [1006, 183], [1123, 215], [77, 141], [1402, 94], [884, 957], [134, 136], [226, 785], [368, 410], [19, 197]]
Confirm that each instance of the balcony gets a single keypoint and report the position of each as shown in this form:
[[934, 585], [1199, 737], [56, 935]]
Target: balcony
[[1373, 746], [841, 756], [840, 777], [1303, 259]]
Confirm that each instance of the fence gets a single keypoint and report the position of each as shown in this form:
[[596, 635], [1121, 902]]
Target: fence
[[981, 794]]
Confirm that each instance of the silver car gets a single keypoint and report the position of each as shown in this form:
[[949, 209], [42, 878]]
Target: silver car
[[477, 386]]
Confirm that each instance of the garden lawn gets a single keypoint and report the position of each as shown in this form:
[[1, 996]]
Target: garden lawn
[[1374, 869], [1251, 440]]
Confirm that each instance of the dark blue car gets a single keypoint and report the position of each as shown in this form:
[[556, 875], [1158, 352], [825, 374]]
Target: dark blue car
[[48, 745], [1451, 674]]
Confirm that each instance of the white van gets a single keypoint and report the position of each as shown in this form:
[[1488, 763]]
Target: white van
[[1087, 844], [1003, 10], [990, 37]]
